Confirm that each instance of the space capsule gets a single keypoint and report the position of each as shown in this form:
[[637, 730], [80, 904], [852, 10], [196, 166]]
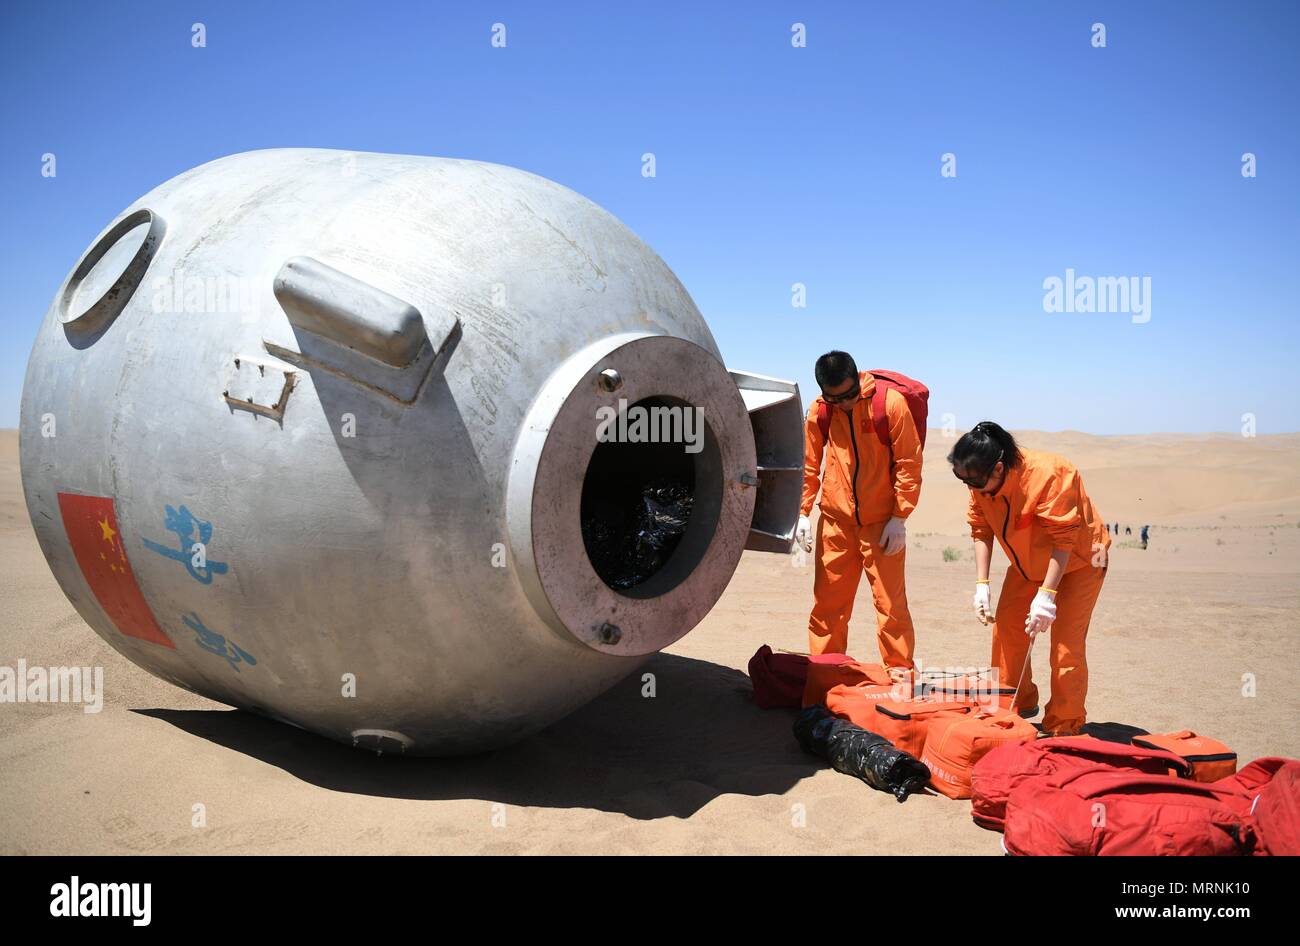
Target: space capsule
[[418, 454]]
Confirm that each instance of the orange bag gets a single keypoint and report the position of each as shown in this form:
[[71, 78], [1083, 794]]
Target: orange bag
[[823, 677], [905, 722], [858, 704], [954, 744], [1210, 759]]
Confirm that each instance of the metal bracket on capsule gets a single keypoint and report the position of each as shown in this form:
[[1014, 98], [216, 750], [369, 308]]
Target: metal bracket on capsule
[[776, 416], [259, 386], [357, 331]]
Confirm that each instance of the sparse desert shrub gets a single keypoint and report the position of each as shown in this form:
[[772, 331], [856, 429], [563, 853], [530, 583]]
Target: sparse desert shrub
[[951, 554]]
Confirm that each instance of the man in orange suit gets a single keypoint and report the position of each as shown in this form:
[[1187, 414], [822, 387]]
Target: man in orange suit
[[868, 489]]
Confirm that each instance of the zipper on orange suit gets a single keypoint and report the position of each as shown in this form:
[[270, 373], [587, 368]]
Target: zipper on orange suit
[[856, 463]]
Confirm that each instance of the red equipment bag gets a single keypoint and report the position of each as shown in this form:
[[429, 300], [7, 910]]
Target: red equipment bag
[[1121, 811], [1277, 812], [997, 774], [1211, 760], [914, 392], [779, 679]]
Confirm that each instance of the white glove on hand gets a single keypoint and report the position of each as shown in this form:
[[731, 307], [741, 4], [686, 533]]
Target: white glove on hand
[[1041, 613], [983, 607], [893, 538], [803, 533]]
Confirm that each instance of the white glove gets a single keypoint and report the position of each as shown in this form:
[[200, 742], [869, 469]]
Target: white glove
[[893, 538], [1041, 613], [803, 533], [983, 607]]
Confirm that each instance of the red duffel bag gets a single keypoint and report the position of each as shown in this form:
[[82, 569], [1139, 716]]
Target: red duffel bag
[[995, 776], [1277, 812], [1256, 783], [1125, 812], [779, 679]]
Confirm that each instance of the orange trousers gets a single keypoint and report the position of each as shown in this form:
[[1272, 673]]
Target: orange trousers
[[1075, 600], [844, 551]]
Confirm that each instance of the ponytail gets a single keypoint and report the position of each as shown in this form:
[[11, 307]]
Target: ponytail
[[979, 450]]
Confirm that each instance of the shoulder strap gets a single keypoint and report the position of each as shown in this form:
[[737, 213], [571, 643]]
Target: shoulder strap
[[879, 419], [1094, 782], [824, 420]]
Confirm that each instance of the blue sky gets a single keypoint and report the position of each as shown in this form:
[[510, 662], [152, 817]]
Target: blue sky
[[775, 165]]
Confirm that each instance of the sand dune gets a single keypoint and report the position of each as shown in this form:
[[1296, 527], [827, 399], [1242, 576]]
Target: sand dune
[[698, 768]]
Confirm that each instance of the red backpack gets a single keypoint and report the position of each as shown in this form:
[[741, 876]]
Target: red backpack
[[1122, 811], [914, 392], [998, 774]]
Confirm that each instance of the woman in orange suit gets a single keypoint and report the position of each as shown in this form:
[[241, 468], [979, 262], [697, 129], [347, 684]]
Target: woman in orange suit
[[1057, 545]]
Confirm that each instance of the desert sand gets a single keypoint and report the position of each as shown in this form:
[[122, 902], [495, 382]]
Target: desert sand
[[698, 768]]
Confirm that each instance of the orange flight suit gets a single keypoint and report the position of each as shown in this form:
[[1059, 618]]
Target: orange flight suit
[[862, 486], [1041, 507]]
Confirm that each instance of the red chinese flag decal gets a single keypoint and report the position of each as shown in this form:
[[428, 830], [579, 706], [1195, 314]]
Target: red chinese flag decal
[[91, 524]]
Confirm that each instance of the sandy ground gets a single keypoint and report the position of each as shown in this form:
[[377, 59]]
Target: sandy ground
[[697, 769]]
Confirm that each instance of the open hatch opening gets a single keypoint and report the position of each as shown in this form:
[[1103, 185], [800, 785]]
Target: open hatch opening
[[650, 507]]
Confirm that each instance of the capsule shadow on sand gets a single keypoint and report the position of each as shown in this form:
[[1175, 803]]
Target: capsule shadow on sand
[[669, 755]]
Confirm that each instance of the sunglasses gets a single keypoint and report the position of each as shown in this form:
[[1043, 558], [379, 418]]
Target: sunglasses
[[848, 395], [978, 482]]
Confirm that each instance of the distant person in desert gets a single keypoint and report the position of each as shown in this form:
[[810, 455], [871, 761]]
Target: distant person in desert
[[1036, 506], [1144, 536]]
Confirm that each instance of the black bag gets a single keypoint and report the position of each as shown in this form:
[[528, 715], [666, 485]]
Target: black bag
[[1113, 732], [855, 751]]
